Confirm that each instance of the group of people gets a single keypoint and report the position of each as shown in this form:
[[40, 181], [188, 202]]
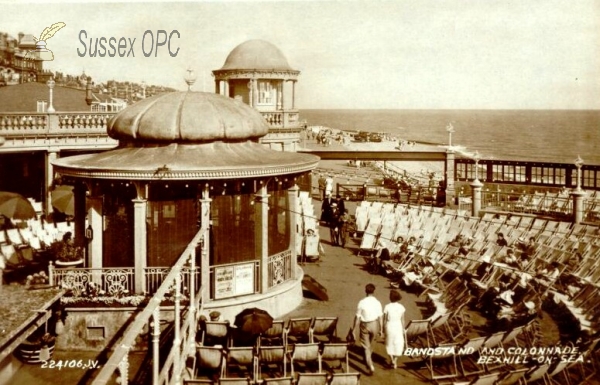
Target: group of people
[[335, 215], [325, 186], [372, 320]]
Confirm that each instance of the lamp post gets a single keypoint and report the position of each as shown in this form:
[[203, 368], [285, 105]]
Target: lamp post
[[450, 130], [476, 158], [578, 164], [190, 78], [578, 194], [449, 168], [476, 186], [50, 83]]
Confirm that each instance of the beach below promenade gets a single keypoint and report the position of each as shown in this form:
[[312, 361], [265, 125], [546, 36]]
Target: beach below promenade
[[346, 173]]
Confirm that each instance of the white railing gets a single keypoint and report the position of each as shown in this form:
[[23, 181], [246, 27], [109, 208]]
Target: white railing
[[112, 281], [156, 275], [279, 268], [184, 342]]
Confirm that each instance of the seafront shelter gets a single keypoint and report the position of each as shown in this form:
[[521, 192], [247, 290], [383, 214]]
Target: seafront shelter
[[182, 157]]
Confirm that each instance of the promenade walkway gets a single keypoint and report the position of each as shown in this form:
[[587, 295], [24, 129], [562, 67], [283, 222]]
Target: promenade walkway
[[341, 272]]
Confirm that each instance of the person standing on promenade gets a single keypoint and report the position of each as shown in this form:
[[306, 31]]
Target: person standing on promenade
[[322, 187], [334, 226], [329, 185], [340, 203], [344, 224], [393, 324], [327, 209], [369, 321]]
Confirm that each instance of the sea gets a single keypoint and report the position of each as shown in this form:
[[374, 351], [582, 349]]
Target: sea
[[530, 135]]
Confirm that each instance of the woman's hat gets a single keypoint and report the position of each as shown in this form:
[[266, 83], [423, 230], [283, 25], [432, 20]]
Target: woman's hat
[[214, 315]]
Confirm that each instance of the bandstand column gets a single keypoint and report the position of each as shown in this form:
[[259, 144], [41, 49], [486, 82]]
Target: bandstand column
[[79, 194], [204, 253], [50, 157], [577, 196], [280, 97], [450, 191], [294, 210], [217, 86], [293, 95], [95, 222], [254, 92], [139, 243], [261, 233], [476, 186]]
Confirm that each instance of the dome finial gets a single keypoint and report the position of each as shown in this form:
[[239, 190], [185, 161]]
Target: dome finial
[[190, 78]]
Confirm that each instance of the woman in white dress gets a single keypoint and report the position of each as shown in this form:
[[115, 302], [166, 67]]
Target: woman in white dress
[[393, 324]]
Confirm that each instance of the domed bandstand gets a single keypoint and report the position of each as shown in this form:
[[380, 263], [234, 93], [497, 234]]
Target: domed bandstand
[[258, 74], [183, 159]]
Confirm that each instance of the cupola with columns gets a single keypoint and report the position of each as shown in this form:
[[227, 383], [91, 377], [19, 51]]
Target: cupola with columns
[[257, 73]]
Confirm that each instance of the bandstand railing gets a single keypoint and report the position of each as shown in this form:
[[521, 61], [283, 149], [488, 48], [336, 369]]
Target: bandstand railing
[[156, 275], [280, 268], [113, 281], [184, 343]]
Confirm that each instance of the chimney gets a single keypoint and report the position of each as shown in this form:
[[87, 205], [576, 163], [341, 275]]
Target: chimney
[[88, 91]]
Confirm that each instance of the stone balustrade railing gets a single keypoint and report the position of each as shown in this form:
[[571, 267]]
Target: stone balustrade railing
[[282, 119], [76, 123]]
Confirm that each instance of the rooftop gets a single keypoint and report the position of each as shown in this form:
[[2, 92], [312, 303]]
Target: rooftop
[[256, 54], [23, 98]]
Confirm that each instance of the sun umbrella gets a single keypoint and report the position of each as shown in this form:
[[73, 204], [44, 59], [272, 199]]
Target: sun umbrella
[[253, 321], [15, 206], [63, 199]]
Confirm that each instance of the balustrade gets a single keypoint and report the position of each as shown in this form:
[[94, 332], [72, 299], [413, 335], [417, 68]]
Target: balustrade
[[96, 122], [82, 123], [274, 119], [282, 120], [20, 124]]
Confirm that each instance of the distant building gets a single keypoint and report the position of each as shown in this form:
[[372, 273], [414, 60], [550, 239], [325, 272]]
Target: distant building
[[14, 68]]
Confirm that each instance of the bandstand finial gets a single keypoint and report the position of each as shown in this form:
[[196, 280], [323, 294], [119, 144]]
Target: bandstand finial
[[190, 78]]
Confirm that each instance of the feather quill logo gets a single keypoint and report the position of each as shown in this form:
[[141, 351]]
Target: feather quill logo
[[41, 52]]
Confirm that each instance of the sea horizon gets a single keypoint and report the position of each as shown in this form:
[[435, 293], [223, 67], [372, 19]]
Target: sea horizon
[[557, 136]]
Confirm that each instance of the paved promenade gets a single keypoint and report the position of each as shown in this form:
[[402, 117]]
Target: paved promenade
[[341, 272]]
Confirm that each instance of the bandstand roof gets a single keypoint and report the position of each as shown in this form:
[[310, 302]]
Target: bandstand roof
[[186, 136]]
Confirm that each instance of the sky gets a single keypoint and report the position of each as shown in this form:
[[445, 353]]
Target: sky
[[403, 54]]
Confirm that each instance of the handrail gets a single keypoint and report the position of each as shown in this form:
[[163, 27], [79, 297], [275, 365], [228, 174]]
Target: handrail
[[120, 354]]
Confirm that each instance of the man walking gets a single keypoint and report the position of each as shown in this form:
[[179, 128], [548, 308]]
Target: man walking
[[369, 320]]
